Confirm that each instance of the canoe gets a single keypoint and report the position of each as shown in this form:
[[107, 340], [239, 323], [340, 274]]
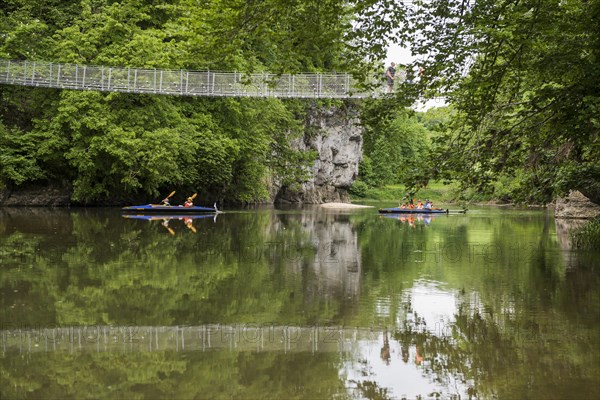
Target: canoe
[[397, 210], [160, 209]]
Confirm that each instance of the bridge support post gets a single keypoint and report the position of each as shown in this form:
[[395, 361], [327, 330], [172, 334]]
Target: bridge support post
[[181, 81], [320, 87], [346, 83]]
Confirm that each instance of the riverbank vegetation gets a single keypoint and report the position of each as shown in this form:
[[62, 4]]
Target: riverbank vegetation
[[399, 148], [397, 144], [435, 191], [522, 81], [588, 236]]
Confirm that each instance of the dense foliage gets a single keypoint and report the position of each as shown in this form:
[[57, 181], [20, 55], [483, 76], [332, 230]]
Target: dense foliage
[[398, 144], [107, 145], [524, 77], [587, 237]]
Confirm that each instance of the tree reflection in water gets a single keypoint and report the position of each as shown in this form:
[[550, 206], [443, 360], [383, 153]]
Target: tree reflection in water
[[475, 306]]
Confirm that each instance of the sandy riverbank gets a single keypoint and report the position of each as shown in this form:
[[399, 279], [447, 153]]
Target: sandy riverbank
[[343, 206]]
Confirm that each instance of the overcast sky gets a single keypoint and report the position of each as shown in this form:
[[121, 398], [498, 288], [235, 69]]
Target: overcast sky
[[398, 54]]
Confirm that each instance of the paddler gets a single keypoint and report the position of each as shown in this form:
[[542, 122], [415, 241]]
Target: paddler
[[165, 201]]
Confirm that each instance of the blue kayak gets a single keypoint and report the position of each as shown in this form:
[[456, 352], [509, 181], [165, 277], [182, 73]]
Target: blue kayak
[[158, 208], [397, 210]]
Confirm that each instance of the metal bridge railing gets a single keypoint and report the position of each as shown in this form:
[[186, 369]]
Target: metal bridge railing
[[178, 82], [241, 337]]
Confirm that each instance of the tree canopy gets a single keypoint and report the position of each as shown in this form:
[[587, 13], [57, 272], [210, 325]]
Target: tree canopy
[[524, 78]]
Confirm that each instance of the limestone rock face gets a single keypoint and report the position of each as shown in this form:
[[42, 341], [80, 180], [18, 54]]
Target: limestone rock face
[[336, 135], [576, 205]]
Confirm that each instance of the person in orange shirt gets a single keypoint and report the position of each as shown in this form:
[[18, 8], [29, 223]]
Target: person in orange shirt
[[419, 356], [385, 350]]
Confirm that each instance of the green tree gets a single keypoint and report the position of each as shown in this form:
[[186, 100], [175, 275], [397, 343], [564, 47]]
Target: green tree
[[524, 79], [396, 144]]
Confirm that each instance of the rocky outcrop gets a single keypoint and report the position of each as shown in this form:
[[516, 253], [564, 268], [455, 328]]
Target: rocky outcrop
[[335, 134], [50, 194], [576, 205]]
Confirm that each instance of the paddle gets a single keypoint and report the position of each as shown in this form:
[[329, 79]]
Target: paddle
[[190, 226], [166, 198], [449, 211], [456, 211], [165, 223], [194, 196]]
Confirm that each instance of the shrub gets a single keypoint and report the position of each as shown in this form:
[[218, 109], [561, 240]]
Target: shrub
[[588, 236], [359, 189]]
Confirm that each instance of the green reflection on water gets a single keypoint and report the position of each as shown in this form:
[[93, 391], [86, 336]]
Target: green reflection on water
[[488, 303]]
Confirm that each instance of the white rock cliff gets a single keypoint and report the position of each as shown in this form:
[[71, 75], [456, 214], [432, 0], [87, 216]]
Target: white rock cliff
[[335, 134]]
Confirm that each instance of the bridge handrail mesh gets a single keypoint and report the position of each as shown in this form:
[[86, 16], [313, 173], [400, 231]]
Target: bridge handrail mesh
[[178, 82]]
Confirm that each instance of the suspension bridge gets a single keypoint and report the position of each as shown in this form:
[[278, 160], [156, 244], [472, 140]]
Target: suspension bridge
[[182, 82]]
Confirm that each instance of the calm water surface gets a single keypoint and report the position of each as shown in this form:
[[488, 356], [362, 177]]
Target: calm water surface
[[297, 303]]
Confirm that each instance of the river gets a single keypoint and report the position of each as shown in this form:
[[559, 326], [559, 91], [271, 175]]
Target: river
[[296, 303]]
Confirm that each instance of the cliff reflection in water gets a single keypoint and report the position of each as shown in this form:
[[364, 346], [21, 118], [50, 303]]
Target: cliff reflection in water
[[332, 242], [294, 303]]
